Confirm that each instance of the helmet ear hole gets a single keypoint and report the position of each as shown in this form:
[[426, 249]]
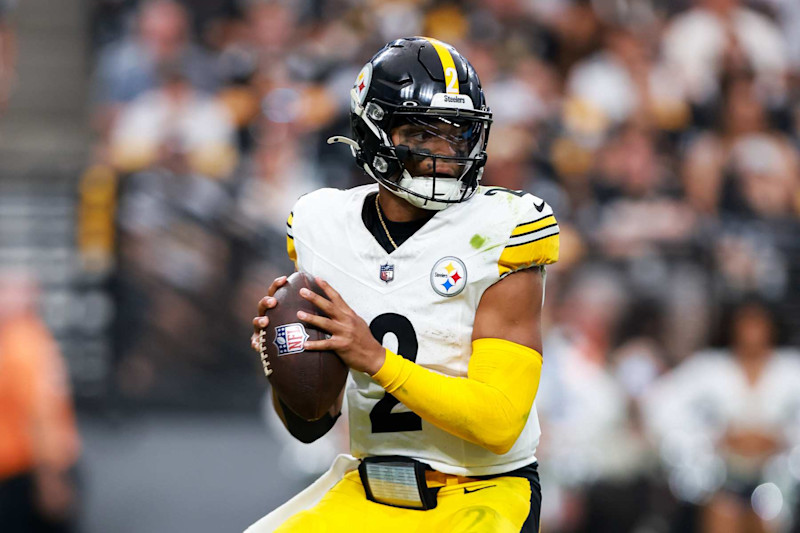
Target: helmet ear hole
[[375, 112], [380, 164]]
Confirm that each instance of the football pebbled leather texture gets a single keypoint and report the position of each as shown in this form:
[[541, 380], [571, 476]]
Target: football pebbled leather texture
[[308, 382]]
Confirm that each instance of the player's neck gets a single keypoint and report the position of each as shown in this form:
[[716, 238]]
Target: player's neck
[[396, 209]]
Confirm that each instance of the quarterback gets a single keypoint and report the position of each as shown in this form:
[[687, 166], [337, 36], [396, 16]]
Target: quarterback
[[434, 287]]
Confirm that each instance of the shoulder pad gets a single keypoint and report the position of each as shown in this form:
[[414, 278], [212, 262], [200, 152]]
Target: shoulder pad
[[534, 239]]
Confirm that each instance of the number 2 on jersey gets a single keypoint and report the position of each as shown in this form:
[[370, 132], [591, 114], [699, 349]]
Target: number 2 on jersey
[[382, 418]]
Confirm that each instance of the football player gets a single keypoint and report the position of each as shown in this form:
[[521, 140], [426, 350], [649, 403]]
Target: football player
[[434, 290]]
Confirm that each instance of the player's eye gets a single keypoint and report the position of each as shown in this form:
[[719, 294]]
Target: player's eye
[[419, 135]]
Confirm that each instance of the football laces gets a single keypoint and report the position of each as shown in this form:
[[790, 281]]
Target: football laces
[[262, 348]]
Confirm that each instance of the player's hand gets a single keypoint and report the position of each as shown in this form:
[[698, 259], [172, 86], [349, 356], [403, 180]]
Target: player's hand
[[267, 302], [350, 338]]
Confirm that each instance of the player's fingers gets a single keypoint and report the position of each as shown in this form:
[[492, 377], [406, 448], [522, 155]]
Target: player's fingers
[[255, 343], [276, 284], [259, 323], [330, 345], [267, 302], [322, 304], [320, 322], [330, 292]]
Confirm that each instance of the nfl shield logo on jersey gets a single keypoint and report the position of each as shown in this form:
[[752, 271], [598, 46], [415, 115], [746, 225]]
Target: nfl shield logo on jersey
[[387, 272], [290, 338]]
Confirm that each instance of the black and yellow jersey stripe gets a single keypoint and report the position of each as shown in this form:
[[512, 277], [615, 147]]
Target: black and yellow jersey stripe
[[534, 242], [290, 249]]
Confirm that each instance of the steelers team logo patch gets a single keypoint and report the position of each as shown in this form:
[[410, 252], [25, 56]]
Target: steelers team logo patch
[[362, 83], [449, 276]]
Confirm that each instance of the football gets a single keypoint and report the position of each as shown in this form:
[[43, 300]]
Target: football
[[308, 382]]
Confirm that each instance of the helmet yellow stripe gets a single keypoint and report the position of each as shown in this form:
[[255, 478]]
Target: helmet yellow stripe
[[448, 66]]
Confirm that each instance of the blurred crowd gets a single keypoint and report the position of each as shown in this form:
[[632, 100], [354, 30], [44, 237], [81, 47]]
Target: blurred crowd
[[7, 53], [664, 133]]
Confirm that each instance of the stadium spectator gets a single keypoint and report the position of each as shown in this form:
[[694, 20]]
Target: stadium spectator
[[39, 443], [7, 53], [716, 34], [745, 165], [131, 67], [722, 416], [273, 32], [176, 127], [583, 408], [278, 174]]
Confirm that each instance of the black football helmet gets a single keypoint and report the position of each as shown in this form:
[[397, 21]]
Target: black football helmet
[[429, 96]]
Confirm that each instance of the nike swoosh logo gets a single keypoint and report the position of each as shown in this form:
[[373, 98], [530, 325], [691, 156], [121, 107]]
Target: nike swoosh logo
[[467, 491], [539, 207]]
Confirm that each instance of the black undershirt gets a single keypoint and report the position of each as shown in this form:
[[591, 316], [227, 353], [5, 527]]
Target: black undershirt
[[400, 231]]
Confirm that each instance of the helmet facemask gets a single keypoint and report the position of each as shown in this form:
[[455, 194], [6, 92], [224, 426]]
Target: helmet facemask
[[431, 157]]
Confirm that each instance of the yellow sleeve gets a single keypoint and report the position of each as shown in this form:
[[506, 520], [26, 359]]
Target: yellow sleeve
[[290, 249], [489, 407], [532, 242]]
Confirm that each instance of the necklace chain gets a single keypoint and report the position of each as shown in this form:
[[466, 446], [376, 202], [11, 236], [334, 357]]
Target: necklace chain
[[385, 229]]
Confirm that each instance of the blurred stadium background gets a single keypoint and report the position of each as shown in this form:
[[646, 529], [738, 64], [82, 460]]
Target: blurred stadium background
[[150, 152]]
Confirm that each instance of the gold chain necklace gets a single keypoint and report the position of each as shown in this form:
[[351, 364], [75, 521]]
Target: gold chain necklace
[[380, 217]]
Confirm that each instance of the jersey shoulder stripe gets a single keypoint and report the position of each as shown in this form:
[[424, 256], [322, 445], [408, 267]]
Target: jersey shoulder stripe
[[534, 240], [530, 228], [290, 249], [542, 251], [535, 235], [550, 231]]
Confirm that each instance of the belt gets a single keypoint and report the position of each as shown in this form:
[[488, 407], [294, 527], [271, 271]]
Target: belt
[[436, 479]]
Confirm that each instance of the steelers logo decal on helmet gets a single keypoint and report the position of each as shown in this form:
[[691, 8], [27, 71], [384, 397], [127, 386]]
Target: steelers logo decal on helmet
[[362, 83], [449, 276]]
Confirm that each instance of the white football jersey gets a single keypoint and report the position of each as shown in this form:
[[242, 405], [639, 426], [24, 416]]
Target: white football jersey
[[420, 302]]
